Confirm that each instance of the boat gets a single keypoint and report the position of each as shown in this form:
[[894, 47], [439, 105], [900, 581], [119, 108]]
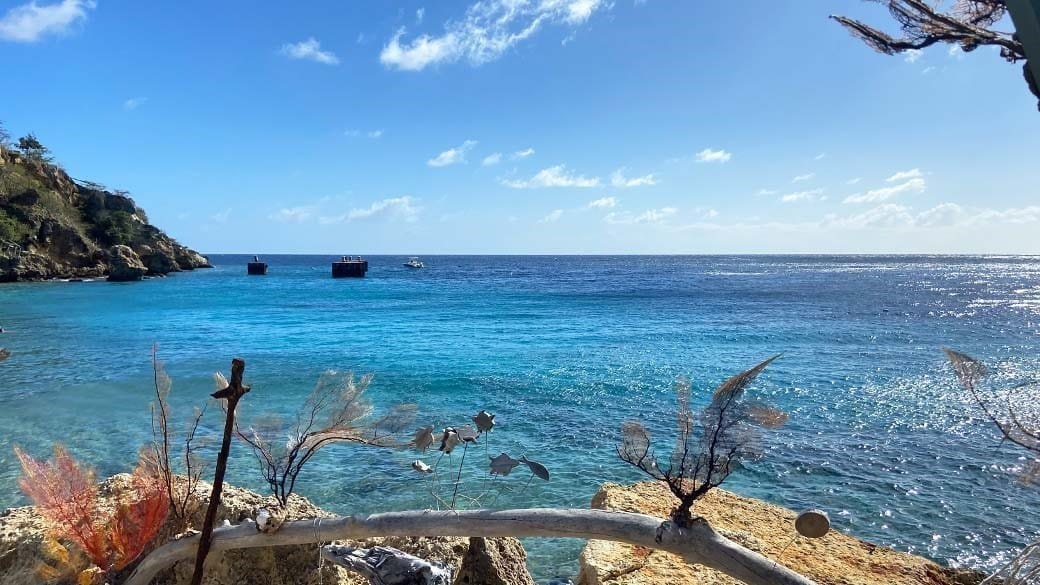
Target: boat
[[414, 262]]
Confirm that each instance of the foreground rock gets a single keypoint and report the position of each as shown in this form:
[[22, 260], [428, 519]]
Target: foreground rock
[[52, 226], [835, 559], [496, 561]]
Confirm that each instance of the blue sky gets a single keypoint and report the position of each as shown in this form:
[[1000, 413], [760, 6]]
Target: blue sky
[[527, 126]]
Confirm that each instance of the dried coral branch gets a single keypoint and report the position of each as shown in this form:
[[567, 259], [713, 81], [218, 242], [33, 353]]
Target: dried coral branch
[[709, 446], [336, 411]]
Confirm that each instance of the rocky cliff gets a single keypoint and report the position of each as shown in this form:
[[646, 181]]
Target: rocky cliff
[[835, 559], [52, 226]]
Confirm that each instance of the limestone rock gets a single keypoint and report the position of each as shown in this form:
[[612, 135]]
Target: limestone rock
[[22, 532], [835, 559], [494, 561], [124, 265]]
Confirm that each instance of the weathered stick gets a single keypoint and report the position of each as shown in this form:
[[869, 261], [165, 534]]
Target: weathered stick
[[232, 393], [698, 543]]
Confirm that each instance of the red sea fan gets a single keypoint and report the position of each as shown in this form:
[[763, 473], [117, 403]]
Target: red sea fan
[[137, 521], [65, 493]]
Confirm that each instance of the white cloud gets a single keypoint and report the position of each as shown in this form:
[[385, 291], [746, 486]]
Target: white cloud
[[557, 176], [521, 154], [619, 180], [914, 185], [134, 103], [452, 155], [488, 30], [603, 203], [403, 207], [30, 22], [853, 180], [354, 133], [492, 159], [904, 175], [709, 155], [221, 217], [912, 55], [820, 156], [944, 215], [813, 195], [805, 177], [709, 213], [310, 50], [927, 70], [766, 192], [553, 217], [420, 14], [648, 216], [293, 214], [955, 51]]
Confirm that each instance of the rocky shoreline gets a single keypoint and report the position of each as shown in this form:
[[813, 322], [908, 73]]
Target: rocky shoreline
[[836, 559], [54, 227]]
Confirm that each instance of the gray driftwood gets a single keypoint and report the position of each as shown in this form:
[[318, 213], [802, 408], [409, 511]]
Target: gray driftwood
[[699, 543], [383, 565]]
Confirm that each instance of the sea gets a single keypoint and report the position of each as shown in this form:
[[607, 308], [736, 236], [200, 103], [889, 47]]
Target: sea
[[563, 350]]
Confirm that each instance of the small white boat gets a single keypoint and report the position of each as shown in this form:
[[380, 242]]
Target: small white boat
[[414, 262]]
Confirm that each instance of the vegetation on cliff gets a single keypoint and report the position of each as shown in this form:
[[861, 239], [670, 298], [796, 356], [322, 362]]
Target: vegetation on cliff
[[54, 226]]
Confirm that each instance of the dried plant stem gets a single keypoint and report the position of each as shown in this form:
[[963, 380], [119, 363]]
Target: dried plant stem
[[233, 393]]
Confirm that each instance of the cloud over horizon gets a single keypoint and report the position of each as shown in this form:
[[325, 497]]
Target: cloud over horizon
[[309, 50]]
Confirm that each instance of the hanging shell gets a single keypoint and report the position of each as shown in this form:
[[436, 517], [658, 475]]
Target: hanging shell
[[813, 524]]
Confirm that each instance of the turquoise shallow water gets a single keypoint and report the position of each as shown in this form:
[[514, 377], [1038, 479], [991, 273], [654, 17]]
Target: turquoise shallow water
[[564, 349]]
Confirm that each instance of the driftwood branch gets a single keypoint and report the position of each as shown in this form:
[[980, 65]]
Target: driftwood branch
[[233, 393], [697, 543]]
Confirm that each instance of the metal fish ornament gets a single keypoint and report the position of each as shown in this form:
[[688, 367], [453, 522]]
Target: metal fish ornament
[[423, 438], [449, 440], [468, 434], [484, 420], [537, 469], [503, 464], [421, 466]]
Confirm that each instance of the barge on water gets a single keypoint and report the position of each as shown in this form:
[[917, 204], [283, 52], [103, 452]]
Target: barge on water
[[349, 267], [256, 267]]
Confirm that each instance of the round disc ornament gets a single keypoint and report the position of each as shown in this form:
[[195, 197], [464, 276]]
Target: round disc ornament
[[812, 523]]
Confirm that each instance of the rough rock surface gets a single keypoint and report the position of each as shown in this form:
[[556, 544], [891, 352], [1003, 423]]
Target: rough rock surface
[[22, 533], [52, 226], [836, 559], [494, 561], [124, 265]]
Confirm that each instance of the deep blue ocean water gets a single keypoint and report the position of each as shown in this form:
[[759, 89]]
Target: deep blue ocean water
[[563, 350]]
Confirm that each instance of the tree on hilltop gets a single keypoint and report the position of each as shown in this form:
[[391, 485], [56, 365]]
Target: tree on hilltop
[[34, 149], [968, 24]]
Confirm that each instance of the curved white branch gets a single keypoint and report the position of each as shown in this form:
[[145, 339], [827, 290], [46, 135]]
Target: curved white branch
[[698, 544]]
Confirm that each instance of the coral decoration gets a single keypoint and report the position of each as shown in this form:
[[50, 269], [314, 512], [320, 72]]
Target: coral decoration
[[66, 495]]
